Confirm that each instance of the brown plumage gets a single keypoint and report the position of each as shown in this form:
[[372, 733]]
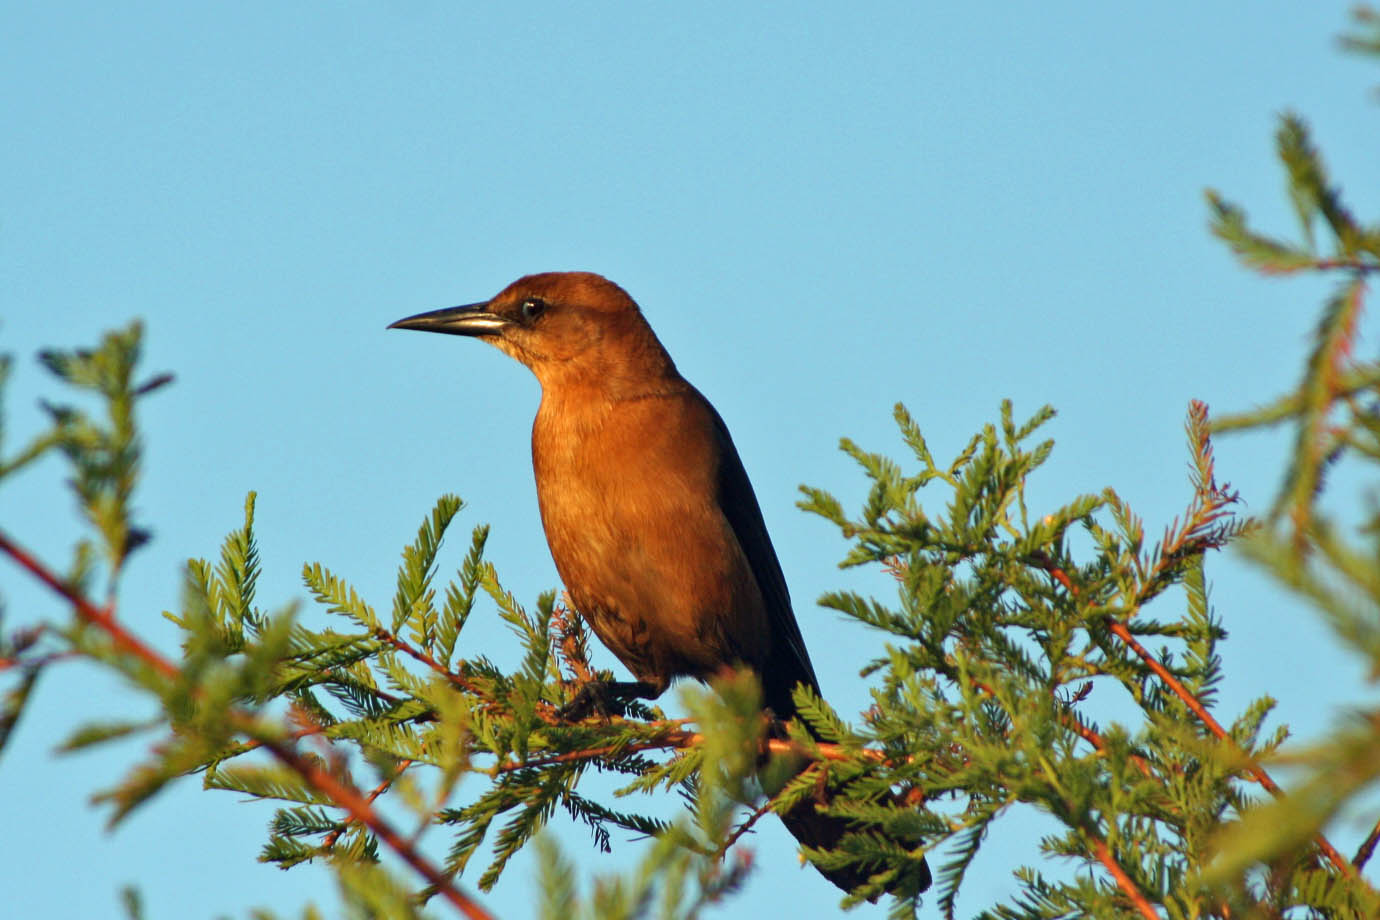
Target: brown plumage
[[649, 514]]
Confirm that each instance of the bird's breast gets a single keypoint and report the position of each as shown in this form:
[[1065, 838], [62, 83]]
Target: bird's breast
[[629, 501], [616, 482]]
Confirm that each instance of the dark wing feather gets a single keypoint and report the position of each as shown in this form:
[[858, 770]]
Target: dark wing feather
[[789, 662]]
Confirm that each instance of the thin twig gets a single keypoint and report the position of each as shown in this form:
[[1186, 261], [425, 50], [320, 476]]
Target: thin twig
[[378, 790], [339, 791], [546, 711], [1367, 848], [567, 625], [743, 828], [426, 659], [1356, 265], [1093, 738], [34, 663], [1070, 721]]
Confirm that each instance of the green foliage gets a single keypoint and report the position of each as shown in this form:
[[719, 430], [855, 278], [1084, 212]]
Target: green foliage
[[375, 699], [132, 902], [996, 641], [1001, 643], [1323, 550], [105, 458]]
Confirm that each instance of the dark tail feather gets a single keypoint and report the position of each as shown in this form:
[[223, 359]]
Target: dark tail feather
[[813, 829]]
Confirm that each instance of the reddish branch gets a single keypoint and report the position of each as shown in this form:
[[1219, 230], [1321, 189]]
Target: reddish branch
[[104, 617], [1123, 881], [673, 735], [1256, 771], [1070, 721], [680, 739], [1192, 702], [1093, 738], [348, 797], [338, 790], [425, 659], [547, 713]]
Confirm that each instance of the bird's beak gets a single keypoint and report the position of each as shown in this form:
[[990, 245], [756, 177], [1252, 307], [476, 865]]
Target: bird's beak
[[470, 319]]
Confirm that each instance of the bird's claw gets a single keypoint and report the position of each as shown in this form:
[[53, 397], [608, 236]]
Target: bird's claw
[[593, 698], [605, 698]]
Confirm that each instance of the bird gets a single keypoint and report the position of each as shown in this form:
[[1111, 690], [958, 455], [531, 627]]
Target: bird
[[648, 511]]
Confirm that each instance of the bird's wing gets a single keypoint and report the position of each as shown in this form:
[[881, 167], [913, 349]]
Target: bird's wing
[[790, 662]]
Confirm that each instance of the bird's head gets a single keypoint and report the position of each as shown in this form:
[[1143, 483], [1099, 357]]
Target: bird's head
[[565, 326]]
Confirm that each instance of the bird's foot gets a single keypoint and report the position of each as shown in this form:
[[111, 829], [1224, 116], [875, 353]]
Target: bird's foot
[[777, 730], [605, 698]]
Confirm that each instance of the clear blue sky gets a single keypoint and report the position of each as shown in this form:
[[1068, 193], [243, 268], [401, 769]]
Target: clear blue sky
[[823, 208]]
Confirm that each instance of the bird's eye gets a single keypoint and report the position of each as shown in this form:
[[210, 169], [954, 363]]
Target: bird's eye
[[533, 307]]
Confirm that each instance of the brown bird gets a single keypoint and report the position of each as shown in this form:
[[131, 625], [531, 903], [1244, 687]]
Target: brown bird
[[651, 519]]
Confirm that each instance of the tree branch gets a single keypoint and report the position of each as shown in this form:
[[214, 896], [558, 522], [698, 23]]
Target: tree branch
[[1195, 705], [1123, 881], [681, 739], [1367, 848], [340, 791]]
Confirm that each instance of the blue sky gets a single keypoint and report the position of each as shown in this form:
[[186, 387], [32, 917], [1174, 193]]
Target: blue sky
[[822, 208]]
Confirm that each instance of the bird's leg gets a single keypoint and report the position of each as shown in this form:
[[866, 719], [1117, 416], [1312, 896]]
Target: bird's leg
[[776, 726], [606, 698]]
